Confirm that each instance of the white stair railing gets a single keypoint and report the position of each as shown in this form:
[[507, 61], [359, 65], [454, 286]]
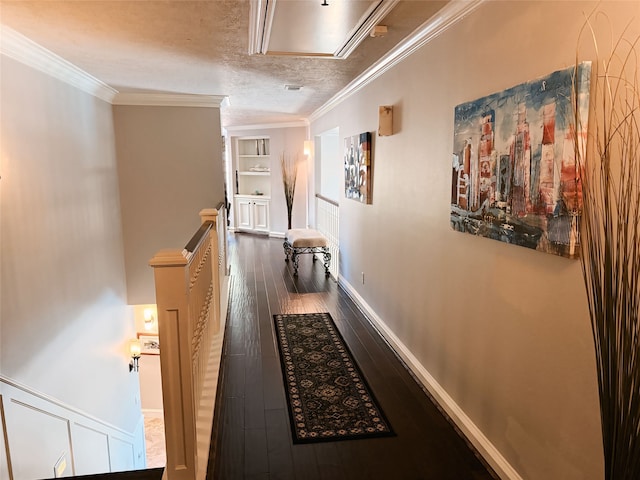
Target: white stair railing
[[328, 223]]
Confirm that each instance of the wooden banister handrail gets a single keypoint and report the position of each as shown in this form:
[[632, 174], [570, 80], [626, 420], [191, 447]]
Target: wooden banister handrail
[[198, 237], [327, 199]]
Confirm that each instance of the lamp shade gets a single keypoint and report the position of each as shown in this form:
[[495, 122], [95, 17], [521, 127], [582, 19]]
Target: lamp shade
[[134, 347], [149, 318], [308, 147]]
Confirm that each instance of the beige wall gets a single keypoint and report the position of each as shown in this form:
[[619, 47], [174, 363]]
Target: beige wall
[[504, 330], [150, 374], [169, 167], [64, 317]]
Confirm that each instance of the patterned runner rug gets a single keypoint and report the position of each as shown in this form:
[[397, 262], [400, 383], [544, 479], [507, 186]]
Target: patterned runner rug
[[327, 394]]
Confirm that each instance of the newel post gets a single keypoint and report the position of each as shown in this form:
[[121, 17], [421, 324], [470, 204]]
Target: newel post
[[206, 215], [171, 278]]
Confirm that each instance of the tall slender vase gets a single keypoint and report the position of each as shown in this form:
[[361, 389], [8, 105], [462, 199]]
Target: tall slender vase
[[289, 174]]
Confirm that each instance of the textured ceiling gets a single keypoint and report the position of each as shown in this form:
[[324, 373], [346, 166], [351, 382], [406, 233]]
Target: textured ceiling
[[199, 47]]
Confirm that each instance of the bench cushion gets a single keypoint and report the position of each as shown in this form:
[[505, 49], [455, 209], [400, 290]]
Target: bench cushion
[[306, 237]]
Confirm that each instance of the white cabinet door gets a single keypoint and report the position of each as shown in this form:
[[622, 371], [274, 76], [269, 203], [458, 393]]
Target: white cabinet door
[[244, 215], [252, 215], [261, 215]]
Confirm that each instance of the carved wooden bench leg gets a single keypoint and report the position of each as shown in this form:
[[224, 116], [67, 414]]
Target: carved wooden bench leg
[[327, 260], [287, 250]]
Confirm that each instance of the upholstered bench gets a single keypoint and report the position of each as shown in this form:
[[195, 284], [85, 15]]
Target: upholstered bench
[[306, 240]]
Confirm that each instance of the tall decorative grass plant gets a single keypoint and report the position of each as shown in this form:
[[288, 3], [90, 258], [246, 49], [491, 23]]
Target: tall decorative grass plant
[[610, 246], [289, 176]]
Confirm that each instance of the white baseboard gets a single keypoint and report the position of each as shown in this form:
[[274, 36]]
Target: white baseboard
[[481, 443]]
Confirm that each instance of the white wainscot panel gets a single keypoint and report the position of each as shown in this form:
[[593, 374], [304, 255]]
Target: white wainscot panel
[[30, 430], [90, 449], [42, 432], [122, 454]]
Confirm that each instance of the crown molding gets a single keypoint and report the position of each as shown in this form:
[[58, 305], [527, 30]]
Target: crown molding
[[260, 21], [21, 49], [449, 15], [264, 126], [170, 100], [370, 19]]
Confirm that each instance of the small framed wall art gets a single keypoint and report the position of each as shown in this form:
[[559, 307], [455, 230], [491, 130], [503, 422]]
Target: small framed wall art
[[358, 165], [149, 344]]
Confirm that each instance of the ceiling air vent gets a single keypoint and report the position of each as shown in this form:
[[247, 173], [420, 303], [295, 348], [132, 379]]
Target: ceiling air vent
[[294, 88]]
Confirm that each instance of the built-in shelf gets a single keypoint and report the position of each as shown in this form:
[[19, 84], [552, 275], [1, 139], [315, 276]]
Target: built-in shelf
[[252, 164]]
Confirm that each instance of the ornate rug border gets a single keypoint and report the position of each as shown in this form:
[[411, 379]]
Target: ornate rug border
[[294, 436]]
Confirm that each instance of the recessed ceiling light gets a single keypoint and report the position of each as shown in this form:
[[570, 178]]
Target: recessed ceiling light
[[293, 87]]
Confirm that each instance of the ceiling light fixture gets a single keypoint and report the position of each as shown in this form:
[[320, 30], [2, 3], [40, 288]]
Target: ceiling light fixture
[[324, 3]]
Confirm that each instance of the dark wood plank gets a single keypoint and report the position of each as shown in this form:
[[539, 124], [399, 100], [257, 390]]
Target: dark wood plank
[[256, 459], [254, 396], [304, 462], [230, 461], [235, 376], [279, 445], [329, 462], [254, 437], [273, 385]]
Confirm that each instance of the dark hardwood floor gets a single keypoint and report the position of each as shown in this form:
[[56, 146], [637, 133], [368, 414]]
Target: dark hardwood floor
[[254, 436]]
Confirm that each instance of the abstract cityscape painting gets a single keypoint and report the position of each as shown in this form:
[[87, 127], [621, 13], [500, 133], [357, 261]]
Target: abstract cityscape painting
[[515, 177], [357, 167]]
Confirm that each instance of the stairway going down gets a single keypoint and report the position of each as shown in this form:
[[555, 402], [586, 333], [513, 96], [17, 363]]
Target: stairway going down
[[147, 474]]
